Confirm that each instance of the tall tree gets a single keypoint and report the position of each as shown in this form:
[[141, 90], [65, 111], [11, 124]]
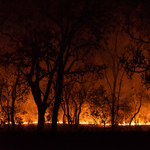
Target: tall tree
[[53, 39], [114, 74], [76, 39]]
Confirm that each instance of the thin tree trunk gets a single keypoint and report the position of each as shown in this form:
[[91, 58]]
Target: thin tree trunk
[[104, 125], [136, 112], [68, 115], [64, 120], [113, 122], [8, 114], [12, 116], [113, 111], [138, 108], [8, 123], [113, 102], [78, 117], [118, 99]]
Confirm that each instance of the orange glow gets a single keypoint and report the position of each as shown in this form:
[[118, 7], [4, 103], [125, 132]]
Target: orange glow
[[87, 123]]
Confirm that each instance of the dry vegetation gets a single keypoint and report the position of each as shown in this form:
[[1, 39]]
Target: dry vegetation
[[73, 128]]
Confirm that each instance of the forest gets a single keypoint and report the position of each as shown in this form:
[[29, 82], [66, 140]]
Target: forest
[[74, 62], [74, 74]]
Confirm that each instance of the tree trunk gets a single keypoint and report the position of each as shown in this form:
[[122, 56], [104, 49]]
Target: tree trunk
[[113, 112], [104, 125], [58, 92], [55, 114], [12, 115], [8, 123], [56, 108], [138, 108], [64, 119], [8, 119], [41, 120], [136, 112], [113, 103], [68, 115], [78, 116]]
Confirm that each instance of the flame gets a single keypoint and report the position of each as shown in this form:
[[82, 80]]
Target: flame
[[84, 123], [133, 124]]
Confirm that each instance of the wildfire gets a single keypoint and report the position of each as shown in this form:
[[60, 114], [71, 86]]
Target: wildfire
[[133, 124], [84, 123]]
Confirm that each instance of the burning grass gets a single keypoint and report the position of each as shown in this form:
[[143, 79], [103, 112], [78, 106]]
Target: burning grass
[[31, 127], [71, 137]]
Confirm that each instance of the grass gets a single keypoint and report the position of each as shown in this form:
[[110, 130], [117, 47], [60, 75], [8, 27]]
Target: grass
[[73, 128]]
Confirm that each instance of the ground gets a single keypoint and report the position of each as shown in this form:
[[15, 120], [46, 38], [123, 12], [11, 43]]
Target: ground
[[80, 140], [75, 141]]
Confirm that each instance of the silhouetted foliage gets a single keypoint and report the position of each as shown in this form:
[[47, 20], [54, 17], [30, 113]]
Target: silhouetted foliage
[[72, 100], [52, 40], [56, 44], [100, 105], [14, 91]]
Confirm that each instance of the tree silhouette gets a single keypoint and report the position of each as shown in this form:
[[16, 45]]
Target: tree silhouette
[[53, 40], [51, 46], [14, 91], [137, 27], [100, 106], [72, 100], [139, 107]]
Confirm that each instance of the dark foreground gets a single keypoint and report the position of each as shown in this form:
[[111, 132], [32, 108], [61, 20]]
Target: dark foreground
[[135, 140]]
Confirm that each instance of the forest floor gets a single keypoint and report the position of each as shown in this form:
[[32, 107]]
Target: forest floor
[[79, 140]]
